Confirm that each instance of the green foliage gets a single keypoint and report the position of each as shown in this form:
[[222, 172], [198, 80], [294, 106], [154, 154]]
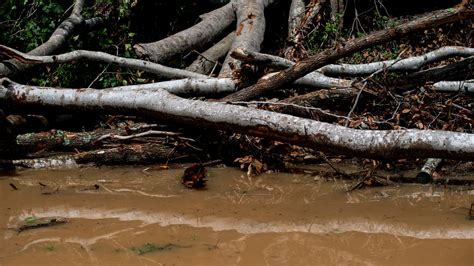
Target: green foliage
[[319, 38], [31, 220], [27, 24]]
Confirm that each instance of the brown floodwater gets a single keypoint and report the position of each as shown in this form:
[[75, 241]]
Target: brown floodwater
[[144, 216]]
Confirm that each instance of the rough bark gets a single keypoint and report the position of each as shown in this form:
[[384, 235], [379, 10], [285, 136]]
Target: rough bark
[[209, 59], [301, 20], [295, 16], [313, 79], [199, 35], [77, 140], [56, 40], [122, 154], [317, 135], [306, 66]]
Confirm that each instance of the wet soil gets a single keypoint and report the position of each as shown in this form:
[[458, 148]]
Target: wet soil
[[143, 216]]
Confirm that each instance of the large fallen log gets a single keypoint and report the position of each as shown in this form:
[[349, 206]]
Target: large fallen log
[[211, 26], [321, 136], [284, 77]]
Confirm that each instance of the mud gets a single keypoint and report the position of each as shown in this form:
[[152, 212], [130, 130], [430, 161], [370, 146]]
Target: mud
[[143, 216]]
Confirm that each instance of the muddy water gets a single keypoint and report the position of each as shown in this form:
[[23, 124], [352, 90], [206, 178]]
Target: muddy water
[[141, 216]]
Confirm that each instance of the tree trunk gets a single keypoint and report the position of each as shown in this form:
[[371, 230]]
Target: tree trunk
[[321, 136]]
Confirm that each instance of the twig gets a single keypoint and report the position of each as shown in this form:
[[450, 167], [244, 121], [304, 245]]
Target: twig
[[142, 134], [307, 108]]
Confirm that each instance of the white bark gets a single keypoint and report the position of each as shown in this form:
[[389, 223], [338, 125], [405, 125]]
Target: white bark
[[212, 24], [208, 60], [317, 80], [318, 135], [249, 33], [84, 55], [304, 19], [186, 86], [409, 64], [295, 15], [56, 40], [454, 86]]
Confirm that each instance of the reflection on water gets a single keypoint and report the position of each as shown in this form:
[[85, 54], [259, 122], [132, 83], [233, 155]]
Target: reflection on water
[[249, 226], [273, 219]]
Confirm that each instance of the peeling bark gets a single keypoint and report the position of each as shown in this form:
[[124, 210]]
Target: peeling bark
[[301, 20], [199, 35], [295, 15], [321, 136], [248, 35], [458, 13], [313, 79]]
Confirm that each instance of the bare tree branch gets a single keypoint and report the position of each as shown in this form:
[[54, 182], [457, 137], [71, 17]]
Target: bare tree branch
[[56, 40], [318, 135], [84, 55], [313, 79], [306, 66], [212, 24], [408, 64]]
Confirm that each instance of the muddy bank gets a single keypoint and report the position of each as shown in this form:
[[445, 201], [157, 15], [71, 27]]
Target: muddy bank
[[145, 216]]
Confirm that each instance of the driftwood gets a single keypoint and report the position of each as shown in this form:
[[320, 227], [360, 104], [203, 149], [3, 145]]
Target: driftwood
[[442, 17], [317, 135]]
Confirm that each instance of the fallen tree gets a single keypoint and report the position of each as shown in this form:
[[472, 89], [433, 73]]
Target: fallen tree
[[358, 95], [321, 136]]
